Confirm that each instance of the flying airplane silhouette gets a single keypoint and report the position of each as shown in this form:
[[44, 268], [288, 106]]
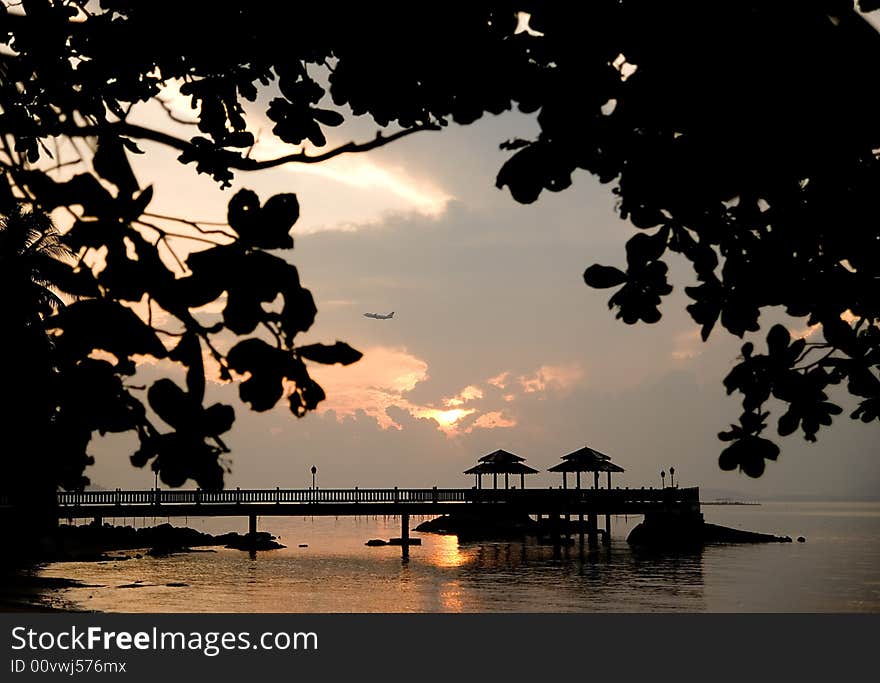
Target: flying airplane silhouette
[[380, 316]]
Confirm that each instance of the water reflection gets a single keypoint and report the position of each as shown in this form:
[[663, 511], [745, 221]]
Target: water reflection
[[445, 552], [834, 571], [538, 577], [451, 594]]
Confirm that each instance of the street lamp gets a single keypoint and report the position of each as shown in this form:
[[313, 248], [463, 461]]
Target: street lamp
[[314, 472], [672, 477], [663, 479]]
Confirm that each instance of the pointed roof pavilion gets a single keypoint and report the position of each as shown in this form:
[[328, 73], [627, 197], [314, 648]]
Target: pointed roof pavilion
[[501, 462], [586, 459], [502, 457]]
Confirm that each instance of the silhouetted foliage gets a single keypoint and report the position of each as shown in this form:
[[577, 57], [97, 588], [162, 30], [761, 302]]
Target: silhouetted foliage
[[742, 136]]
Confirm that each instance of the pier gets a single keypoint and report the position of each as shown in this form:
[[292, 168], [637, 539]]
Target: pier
[[553, 503]]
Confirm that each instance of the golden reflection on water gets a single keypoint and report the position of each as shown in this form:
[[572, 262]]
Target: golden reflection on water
[[451, 597], [445, 552]]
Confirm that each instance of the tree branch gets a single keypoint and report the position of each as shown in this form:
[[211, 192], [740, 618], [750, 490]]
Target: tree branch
[[242, 163], [193, 224]]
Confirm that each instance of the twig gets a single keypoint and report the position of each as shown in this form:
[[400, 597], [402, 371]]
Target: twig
[[166, 233], [818, 361], [193, 224], [159, 330], [163, 239], [242, 163]]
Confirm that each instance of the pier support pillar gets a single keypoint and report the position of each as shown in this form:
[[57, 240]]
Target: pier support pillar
[[98, 521], [593, 530], [607, 539], [252, 527], [404, 535], [555, 534]]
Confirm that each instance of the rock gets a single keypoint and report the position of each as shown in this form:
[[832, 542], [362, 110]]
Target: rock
[[262, 541], [801, 539], [376, 542], [303, 545], [690, 531], [713, 533], [487, 523]]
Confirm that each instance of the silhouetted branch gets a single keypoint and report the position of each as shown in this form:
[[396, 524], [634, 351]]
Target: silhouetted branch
[[167, 233], [197, 225], [242, 163]]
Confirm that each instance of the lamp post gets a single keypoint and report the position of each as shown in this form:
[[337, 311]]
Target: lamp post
[[314, 472], [672, 477], [663, 479]]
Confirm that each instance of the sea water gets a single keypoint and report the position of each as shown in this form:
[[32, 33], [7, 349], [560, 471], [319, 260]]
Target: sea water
[[837, 569]]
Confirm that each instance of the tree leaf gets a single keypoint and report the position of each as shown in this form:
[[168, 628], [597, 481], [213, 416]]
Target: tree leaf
[[602, 277], [340, 352], [111, 164], [173, 404]]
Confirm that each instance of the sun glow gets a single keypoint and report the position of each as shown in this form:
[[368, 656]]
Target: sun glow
[[446, 419]]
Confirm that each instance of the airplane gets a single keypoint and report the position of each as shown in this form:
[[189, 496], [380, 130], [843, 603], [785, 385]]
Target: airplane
[[380, 316]]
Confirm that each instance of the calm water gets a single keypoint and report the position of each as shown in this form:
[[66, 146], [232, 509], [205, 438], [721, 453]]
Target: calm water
[[836, 570]]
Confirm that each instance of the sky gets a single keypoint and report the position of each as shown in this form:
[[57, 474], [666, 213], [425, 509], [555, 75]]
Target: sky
[[496, 341]]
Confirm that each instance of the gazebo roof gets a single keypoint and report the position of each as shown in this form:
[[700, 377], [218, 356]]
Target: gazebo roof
[[501, 456], [501, 468], [576, 466], [586, 453], [586, 459]]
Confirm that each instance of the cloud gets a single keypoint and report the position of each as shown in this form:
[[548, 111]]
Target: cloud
[[469, 393], [492, 420], [380, 383], [499, 380], [372, 385], [447, 420], [380, 186], [178, 105], [363, 173], [807, 332], [392, 186], [687, 345], [556, 377]]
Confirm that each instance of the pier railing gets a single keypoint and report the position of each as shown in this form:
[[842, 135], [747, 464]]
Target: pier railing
[[278, 495], [384, 495]]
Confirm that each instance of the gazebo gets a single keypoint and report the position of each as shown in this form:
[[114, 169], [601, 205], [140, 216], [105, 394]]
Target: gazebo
[[585, 459], [500, 462]]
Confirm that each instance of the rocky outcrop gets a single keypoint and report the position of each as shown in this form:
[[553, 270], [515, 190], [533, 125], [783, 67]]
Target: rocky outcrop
[[262, 540], [484, 524], [90, 542], [690, 531]]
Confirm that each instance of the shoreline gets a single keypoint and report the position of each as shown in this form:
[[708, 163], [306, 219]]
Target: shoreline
[[25, 590]]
